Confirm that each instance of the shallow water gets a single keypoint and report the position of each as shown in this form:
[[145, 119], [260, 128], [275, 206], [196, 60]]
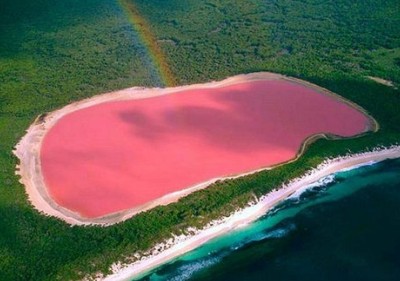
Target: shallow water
[[346, 227]]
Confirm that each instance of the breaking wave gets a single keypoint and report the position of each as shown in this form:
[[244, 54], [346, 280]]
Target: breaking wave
[[187, 270], [316, 186]]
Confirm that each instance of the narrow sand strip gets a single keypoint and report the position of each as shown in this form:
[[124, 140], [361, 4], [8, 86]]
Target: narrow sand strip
[[382, 81], [28, 149], [172, 249]]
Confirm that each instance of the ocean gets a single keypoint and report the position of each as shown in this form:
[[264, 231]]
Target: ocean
[[346, 227]]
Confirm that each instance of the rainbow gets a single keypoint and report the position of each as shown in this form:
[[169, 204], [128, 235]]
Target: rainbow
[[149, 40]]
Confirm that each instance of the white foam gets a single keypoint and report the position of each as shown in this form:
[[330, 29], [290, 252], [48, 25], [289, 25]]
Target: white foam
[[186, 271], [369, 163], [281, 232], [322, 182]]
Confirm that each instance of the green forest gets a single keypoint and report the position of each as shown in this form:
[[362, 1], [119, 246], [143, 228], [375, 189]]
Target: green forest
[[53, 52]]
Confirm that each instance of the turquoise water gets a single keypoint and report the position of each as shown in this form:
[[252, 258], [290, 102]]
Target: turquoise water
[[346, 227]]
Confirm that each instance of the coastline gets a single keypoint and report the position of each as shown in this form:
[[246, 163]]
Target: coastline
[[170, 249], [28, 149]]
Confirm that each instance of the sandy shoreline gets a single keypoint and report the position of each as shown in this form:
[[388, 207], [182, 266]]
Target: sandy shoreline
[[28, 149], [171, 249]]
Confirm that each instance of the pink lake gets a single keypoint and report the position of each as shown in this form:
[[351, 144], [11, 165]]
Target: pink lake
[[120, 155]]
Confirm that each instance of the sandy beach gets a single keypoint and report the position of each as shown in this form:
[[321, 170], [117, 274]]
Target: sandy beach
[[173, 248], [28, 149]]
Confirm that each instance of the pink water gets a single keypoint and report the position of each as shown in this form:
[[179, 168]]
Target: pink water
[[120, 155]]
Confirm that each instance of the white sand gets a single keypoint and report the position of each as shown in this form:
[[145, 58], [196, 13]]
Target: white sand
[[28, 149], [174, 248], [381, 81]]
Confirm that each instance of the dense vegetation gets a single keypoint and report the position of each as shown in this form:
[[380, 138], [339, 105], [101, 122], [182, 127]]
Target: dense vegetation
[[53, 52], [214, 39]]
